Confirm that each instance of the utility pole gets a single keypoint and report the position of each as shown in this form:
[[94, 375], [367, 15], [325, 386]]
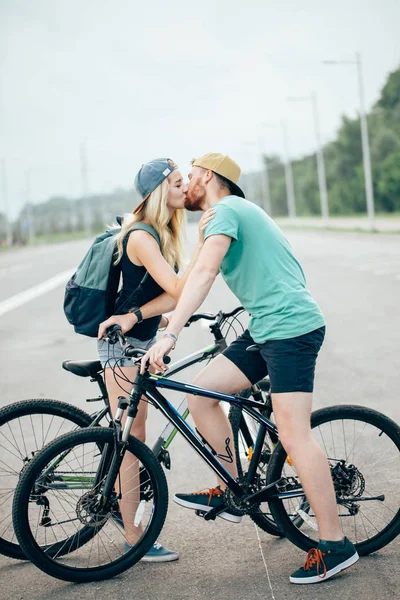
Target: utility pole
[[29, 208], [266, 192], [87, 221], [4, 193], [291, 199]]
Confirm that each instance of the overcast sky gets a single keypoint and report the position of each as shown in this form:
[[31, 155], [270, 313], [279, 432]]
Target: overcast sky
[[140, 79]]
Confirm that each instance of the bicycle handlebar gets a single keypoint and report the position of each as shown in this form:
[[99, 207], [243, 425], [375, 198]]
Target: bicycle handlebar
[[115, 335], [220, 316]]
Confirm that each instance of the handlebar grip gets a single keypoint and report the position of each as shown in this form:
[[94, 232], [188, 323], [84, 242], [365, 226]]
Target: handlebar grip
[[114, 333], [132, 352]]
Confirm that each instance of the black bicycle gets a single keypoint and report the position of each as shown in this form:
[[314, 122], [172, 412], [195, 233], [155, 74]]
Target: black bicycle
[[68, 504], [27, 426]]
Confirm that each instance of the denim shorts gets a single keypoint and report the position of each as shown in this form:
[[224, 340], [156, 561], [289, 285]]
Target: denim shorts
[[289, 363], [109, 354]]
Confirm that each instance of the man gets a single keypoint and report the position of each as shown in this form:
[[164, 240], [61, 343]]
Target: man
[[259, 267]]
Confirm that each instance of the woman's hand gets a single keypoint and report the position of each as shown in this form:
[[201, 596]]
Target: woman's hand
[[155, 355], [126, 322], [204, 221]]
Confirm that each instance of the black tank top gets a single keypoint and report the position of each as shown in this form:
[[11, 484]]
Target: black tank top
[[134, 294]]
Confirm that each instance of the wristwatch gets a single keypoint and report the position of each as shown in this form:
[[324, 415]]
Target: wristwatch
[[136, 311]]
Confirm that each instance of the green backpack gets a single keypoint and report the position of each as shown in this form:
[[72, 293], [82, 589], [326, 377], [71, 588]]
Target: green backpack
[[91, 292]]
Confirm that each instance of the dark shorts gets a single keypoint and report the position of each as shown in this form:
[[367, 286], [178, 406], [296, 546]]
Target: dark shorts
[[289, 363]]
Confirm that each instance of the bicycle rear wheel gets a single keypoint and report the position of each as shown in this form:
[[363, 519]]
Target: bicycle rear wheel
[[25, 427], [61, 520], [363, 449]]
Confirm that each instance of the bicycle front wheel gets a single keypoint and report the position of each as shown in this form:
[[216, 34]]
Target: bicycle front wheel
[[66, 526], [363, 450], [25, 427]]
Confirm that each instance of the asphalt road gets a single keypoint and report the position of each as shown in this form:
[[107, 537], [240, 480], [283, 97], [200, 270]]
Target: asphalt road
[[356, 280]]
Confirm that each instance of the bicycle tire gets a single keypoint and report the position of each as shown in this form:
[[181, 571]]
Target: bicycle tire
[[265, 522], [45, 406], [47, 563], [328, 415]]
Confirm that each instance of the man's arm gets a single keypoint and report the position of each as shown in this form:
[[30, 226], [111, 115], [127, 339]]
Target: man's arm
[[200, 280], [194, 293]]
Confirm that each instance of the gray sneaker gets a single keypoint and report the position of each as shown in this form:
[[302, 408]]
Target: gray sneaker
[[157, 553]]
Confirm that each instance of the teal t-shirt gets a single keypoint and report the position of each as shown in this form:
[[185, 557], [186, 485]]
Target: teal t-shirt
[[262, 271]]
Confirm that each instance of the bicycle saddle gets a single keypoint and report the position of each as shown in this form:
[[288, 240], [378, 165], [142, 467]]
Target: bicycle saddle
[[83, 368]]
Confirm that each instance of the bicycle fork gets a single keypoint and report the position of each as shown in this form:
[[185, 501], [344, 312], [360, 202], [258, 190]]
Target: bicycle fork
[[113, 457]]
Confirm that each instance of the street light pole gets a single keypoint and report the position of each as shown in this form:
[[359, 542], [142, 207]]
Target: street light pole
[[369, 190], [323, 194], [291, 199], [320, 162]]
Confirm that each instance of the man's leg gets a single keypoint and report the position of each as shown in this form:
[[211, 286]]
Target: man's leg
[[221, 375], [292, 416], [291, 366]]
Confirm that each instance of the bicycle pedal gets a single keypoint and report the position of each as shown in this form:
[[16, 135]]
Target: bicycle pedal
[[200, 513]]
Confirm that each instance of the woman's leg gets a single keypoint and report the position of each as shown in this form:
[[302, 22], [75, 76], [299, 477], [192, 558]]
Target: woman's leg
[[129, 474]]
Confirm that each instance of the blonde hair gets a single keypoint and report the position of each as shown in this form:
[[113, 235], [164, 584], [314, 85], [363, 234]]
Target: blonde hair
[[155, 212]]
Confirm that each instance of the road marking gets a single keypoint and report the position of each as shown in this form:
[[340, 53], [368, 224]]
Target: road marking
[[34, 292], [264, 561]]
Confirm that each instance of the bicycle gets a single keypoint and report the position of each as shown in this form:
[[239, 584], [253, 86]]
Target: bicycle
[[28, 425], [89, 543]]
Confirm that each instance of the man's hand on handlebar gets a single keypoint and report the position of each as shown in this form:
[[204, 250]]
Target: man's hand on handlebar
[[156, 354]]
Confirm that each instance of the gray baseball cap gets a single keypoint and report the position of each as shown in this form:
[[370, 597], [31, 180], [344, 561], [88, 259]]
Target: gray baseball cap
[[151, 174]]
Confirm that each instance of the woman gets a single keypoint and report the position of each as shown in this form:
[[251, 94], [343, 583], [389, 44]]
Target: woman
[[155, 246]]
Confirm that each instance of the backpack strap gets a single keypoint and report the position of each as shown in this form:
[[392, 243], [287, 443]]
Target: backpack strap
[[145, 227], [152, 232]]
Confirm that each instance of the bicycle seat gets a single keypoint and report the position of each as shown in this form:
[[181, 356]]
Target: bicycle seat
[[83, 368], [253, 348]]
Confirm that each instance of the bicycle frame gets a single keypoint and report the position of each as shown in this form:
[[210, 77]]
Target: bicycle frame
[[207, 353], [148, 385]]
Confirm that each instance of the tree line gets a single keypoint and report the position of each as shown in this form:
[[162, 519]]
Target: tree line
[[344, 164]]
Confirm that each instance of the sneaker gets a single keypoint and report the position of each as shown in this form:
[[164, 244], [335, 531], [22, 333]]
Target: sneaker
[[206, 500], [325, 561], [157, 553]]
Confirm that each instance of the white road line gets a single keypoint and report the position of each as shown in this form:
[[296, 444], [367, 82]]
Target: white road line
[[265, 562], [34, 292]]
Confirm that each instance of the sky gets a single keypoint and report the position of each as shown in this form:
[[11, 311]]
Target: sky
[[133, 80]]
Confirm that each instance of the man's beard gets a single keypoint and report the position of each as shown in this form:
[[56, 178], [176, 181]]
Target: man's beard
[[195, 199]]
